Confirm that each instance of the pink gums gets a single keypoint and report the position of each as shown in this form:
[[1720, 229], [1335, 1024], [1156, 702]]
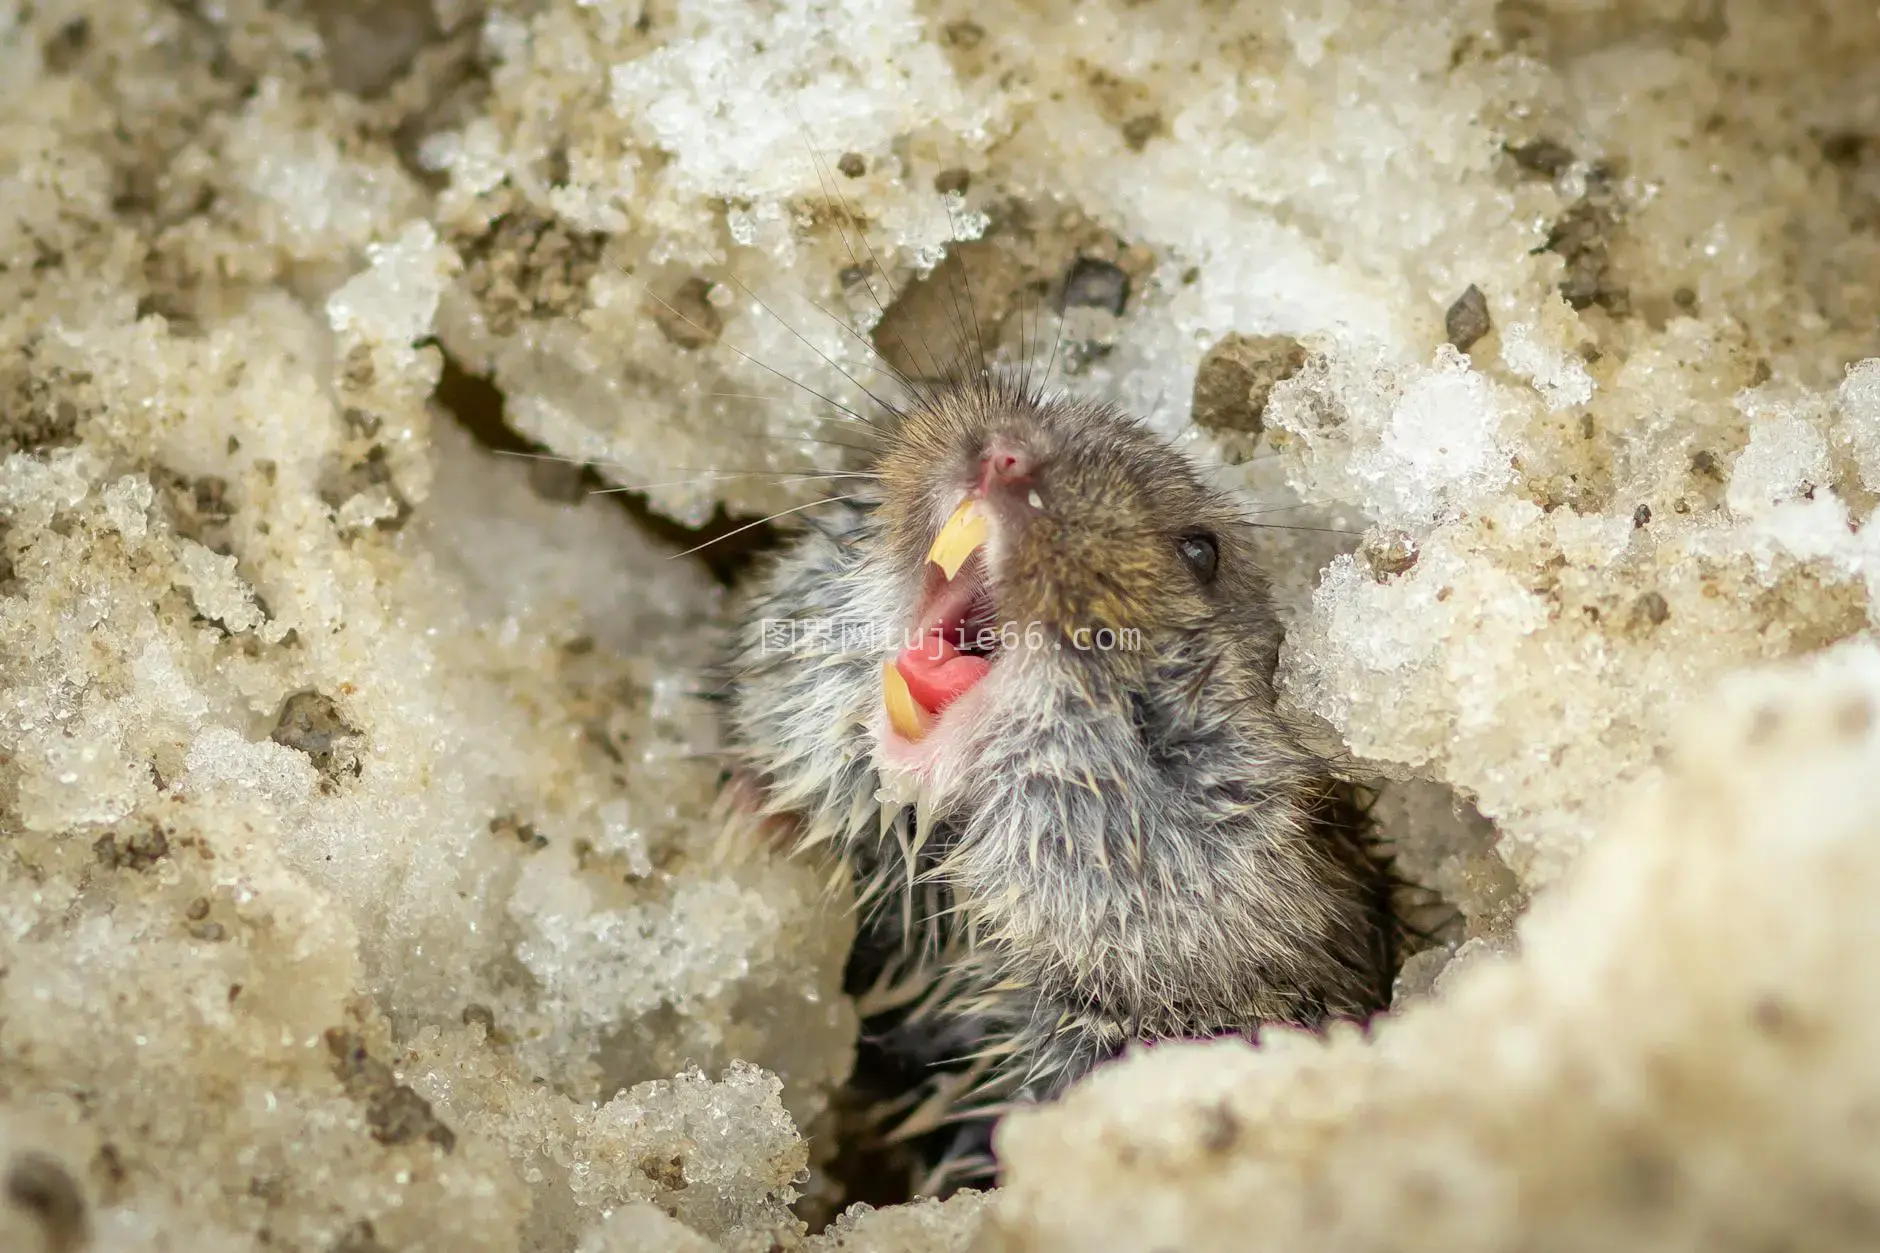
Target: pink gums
[[937, 672]]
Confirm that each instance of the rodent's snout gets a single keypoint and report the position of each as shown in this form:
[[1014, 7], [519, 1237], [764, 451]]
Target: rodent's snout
[[1007, 460]]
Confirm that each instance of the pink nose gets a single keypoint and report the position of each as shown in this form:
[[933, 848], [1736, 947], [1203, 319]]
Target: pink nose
[[1005, 461]]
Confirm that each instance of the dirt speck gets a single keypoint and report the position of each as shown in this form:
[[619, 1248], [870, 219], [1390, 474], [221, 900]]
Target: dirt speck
[[311, 722], [1095, 284], [1544, 157], [924, 334], [527, 266], [667, 1172], [40, 1186], [1846, 147], [559, 482], [67, 45], [687, 317], [369, 475], [1855, 718], [198, 508], [1220, 1129], [40, 408], [964, 35], [953, 181], [511, 827], [395, 1113], [1389, 555], [361, 1237], [1652, 609], [1139, 130], [1582, 237], [375, 41], [139, 850]]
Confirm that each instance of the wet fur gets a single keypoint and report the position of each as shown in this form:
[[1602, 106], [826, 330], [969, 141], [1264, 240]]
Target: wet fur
[[1145, 848]]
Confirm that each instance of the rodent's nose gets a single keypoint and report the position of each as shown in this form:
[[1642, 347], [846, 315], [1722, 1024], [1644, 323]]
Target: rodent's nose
[[1004, 461]]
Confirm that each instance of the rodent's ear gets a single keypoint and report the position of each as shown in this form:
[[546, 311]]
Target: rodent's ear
[[1201, 553]]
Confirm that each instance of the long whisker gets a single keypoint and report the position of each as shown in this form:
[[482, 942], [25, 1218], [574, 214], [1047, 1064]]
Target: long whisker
[[778, 400], [891, 369], [830, 188], [547, 456], [798, 383], [829, 500], [585, 463], [742, 474], [789, 439], [1217, 467], [953, 293], [1027, 327], [966, 280], [1298, 504], [794, 476], [811, 439], [1320, 530], [887, 367], [757, 395], [883, 405], [1057, 341]]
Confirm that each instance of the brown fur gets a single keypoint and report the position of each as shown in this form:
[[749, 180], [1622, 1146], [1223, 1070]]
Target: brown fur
[[1145, 848]]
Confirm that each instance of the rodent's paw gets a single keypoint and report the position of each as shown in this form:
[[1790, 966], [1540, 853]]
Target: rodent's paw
[[744, 798]]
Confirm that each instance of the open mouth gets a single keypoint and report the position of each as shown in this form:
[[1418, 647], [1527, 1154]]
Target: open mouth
[[956, 629]]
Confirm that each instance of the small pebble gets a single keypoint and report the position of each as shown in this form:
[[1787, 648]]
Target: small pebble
[[1467, 320], [687, 318], [1094, 284], [1390, 555], [1542, 156], [1236, 379]]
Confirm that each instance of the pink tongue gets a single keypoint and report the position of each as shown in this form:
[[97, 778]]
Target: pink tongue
[[937, 673]]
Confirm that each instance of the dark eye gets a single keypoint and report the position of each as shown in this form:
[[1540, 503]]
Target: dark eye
[[1201, 552]]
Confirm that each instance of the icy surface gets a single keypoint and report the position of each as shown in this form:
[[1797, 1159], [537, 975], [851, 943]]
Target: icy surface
[[925, 1226], [1681, 1057], [359, 888]]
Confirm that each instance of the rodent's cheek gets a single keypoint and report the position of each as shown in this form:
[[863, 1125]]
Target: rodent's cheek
[[1027, 568], [1064, 592], [905, 533]]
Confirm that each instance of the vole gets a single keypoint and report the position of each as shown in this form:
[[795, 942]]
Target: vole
[[1024, 685]]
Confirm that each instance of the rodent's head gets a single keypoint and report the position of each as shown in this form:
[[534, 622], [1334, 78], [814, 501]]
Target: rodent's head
[[1068, 534], [1091, 521]]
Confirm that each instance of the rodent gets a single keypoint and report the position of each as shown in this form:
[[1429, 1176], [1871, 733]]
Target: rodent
[[1102, 831]]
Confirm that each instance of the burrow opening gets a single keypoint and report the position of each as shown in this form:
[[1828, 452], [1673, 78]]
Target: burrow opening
[[863, 1167], [727, 545]]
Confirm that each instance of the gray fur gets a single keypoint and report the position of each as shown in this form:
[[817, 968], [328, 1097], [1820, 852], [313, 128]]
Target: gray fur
[[1141, 850]]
